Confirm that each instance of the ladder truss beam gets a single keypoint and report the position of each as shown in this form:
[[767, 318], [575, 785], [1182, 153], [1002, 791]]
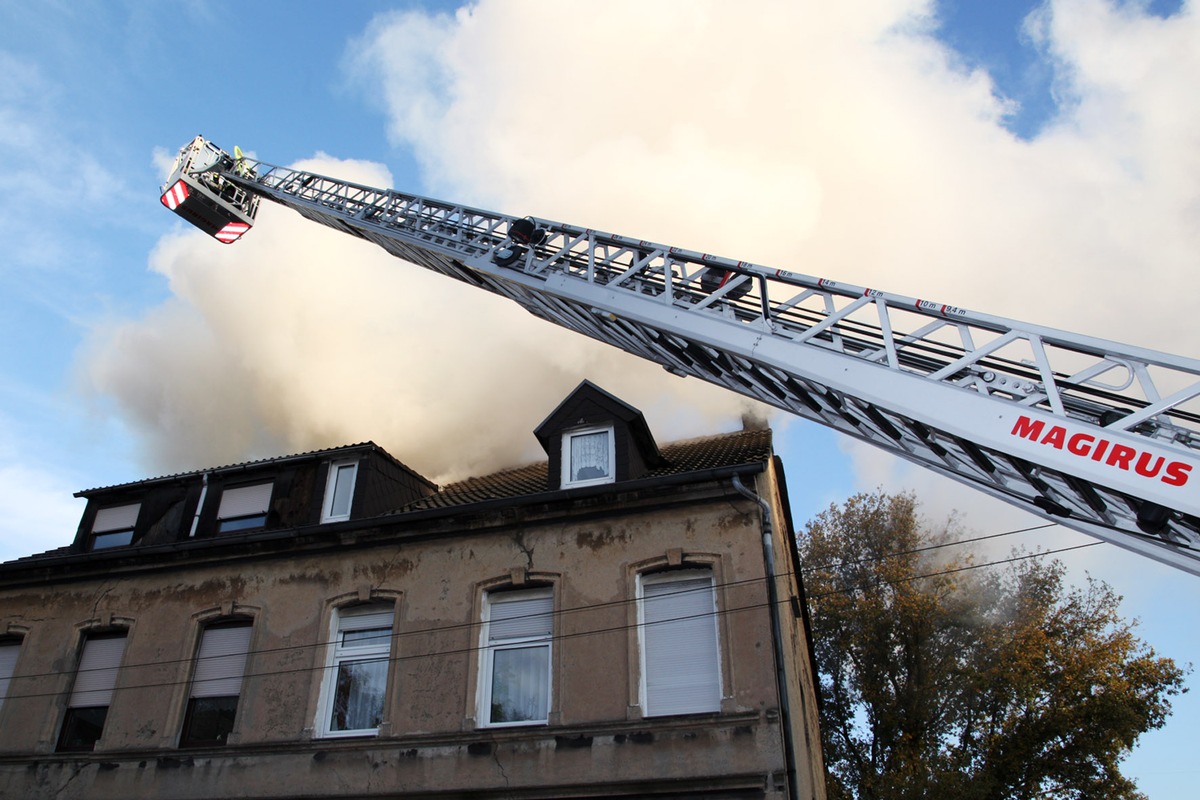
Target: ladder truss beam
[[1096, 435]]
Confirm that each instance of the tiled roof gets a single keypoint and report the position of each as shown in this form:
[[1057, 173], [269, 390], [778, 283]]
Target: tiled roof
[[720, 450], [693, 455]]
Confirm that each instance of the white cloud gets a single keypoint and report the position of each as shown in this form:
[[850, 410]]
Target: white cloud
[[843, 142], [838, 141], [47, 174], [37, 511], [846, 143]]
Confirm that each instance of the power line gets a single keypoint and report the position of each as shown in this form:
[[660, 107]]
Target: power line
[[392, 658], [964, 568], [441, 630], [571, 610], [926, 548]]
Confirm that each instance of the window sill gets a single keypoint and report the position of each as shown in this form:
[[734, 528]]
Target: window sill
[[539, 723], [372, 733]]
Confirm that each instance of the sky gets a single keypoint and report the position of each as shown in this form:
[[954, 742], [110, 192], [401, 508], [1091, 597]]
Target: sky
[[1032, 160]]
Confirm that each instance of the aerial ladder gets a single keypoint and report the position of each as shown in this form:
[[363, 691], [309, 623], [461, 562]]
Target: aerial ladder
[[1099, 436]]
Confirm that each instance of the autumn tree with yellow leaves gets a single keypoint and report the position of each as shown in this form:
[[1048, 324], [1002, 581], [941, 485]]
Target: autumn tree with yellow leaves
[[943, 681]]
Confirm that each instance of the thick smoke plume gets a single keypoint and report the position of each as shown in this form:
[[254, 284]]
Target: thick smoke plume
[[299, 337], [837, 140]]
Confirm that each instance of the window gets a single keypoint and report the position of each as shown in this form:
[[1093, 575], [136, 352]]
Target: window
[[516, 669], [678, 626], [339, 491], [95, 679], [588, 457], [113, 527], [216, 684], [356, 674], [9, 648], [243, 508]]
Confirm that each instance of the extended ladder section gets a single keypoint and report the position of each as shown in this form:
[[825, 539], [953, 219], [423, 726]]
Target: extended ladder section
[[1098, 436]]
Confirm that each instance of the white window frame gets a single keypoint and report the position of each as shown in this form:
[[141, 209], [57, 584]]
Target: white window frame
[[331, 486], [535, 635], [566, 456], [114, 521], [354, 618], [683, 645]]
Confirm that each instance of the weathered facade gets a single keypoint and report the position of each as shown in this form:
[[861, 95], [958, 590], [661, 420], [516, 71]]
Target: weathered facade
[[602, 624]]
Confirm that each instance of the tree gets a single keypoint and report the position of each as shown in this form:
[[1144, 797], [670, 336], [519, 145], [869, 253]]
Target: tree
[[940, 680]]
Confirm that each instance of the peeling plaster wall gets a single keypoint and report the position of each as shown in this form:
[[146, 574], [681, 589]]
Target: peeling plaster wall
[[430, 741]]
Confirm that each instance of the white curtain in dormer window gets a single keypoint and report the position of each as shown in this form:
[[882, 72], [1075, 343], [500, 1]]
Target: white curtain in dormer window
[[589, 456], [245, 501]]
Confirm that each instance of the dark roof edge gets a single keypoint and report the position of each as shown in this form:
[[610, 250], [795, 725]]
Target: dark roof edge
[[481, 506], [312, 455]]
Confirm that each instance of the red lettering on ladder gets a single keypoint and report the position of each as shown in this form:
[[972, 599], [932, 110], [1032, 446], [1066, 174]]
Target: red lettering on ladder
[[1120, 456]]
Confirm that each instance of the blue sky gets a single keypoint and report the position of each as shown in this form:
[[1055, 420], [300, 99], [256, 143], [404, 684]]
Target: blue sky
[[1032, 160]]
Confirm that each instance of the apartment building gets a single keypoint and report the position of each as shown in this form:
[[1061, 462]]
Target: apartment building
[[622, 619]]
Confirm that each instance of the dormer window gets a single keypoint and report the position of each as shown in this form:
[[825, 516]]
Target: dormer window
[[113, 527], [593, 438], [588, 456], [339, 491], [244, 507]]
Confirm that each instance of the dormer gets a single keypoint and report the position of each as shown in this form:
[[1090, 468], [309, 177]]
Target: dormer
[[592, 438], [322, 487]]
